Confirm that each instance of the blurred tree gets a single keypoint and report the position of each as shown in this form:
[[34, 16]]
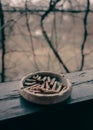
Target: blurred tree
[[44, 24], [2, 42]]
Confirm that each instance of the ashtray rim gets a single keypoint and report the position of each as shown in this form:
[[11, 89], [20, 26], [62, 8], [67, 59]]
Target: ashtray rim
[[38, 96]]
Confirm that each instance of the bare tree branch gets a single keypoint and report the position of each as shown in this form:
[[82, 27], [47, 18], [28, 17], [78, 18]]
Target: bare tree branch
[[44, 10], [53, 49], [30, 35], [54, 37], [55, 30], [85, 34], [51, 6], [55, 8]]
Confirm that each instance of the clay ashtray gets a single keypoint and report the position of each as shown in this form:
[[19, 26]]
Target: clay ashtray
[[45, 87]]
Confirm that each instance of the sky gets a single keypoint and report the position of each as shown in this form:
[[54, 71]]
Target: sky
[[19, 3], [35, 1]]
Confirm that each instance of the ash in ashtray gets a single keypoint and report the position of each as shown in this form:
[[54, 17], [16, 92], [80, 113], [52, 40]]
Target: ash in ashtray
[[43, 84]]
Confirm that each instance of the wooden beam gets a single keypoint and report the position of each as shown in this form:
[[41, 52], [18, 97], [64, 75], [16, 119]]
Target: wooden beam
[[12, 105]]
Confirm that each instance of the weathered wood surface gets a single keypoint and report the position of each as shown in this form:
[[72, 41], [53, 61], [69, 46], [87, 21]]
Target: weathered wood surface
[[13, 105]]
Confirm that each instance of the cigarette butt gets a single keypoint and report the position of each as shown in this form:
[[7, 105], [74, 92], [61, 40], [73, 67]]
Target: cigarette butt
[[39, 78], [43, 85], [35, 76], [47, 85], [44, 78], [36, 88], [54, 86], [65, 87], [33, 86], [59, 87], [29, 84], [48, 78], [30, 80], [52, 81]]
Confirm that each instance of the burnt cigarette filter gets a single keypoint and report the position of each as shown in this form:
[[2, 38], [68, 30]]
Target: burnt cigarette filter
[[29, 84], [65, 87], [35, 76], [47, 85], [39, 78], [59, 87], [44, 78], [30, 80], [43, 85], [52, 81], [54, 86], [48, 79]]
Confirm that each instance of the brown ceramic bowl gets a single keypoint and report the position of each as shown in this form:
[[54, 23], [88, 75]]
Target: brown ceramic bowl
[[42, 98]]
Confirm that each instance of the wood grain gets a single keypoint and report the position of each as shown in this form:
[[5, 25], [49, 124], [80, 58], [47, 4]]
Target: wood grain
[[12, 105]]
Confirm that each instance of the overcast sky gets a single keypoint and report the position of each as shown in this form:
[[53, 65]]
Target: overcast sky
[[19, 3]]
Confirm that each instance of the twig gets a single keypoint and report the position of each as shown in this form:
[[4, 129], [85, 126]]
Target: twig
[[85, 34], [55, 30], [30, 34], [44, 10], [51, 6]]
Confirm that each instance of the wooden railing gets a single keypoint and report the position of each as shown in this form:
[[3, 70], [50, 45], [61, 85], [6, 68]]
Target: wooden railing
[[16, 113]]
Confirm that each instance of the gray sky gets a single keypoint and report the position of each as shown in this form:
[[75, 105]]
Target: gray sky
[[20, 3]]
